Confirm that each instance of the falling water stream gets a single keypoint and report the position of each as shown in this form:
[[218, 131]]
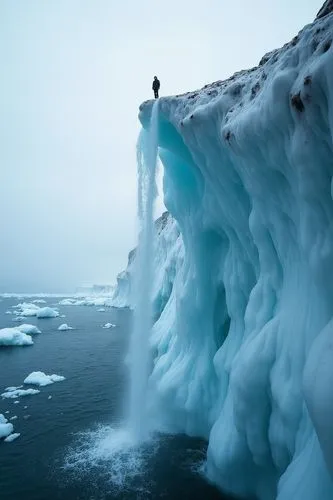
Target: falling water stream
[[139, 351]]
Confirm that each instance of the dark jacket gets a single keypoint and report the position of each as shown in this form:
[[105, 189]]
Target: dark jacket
[[156, 85]]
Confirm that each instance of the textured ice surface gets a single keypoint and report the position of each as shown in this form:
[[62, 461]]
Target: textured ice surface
[[103, 300], [5, 427], [47, 312], [29, 329], [18, 393], [242, 345], [28, 309], [14, 337], [41, 379]]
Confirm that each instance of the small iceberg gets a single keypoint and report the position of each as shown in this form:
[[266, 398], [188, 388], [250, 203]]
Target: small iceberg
[[28, 329], [18, 393], [47, 312], [13, 388], [12, 437], [65, 327], [29, 309], [67, 302], [109, 325], [5, 427], [26, 309], [14, 337], [41, 379]]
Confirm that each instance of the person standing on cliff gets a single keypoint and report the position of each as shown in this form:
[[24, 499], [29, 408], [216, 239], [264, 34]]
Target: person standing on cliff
[[156, 87]]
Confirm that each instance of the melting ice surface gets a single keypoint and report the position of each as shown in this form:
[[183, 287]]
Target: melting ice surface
[[243, 290]]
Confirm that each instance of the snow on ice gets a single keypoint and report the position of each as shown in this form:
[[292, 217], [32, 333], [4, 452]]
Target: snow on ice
[[18, 393], [28, 329], [47, 312], [14, 337], [5, 428], [242, 290], [29, 309], [41, 379]]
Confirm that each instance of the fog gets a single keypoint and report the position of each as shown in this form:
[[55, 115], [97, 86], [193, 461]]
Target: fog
[[73, 74]]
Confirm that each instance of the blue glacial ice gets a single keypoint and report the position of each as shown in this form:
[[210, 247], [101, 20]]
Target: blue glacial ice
[[242, 345]]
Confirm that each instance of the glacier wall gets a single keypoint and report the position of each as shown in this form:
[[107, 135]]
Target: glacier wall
[[243, 340]]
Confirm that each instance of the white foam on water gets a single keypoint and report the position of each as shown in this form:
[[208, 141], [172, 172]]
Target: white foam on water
[[112, 452]]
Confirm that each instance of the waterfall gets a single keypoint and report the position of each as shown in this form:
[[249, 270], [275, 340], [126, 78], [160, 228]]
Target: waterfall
[[147, 148]]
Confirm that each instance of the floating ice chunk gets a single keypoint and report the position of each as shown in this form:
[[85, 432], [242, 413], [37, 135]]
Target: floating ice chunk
[[19, 392], [18, 318], [12, 437], [109, 325], [13, 388], [41, 379], [65, 327], [47, 312], [67, 302], [50, 397], [5, 427], [25, 305], [26, 309], [5, 430], [63, 316], [13, 418], [104, 301], [29, 329], [101, 310], [16, 402], [9, 312], [39, 301], [13, 336]]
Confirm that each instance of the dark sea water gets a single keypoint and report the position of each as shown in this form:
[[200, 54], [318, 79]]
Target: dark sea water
[[73, 445]]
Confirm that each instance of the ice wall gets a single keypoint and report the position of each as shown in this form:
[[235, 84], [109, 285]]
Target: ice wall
[[242, 343], [168, 255]]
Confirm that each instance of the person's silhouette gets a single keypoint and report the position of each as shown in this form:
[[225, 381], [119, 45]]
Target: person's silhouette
[[156, 87]]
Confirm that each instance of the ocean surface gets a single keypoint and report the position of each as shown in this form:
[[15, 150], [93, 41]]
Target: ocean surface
[[73, 443]]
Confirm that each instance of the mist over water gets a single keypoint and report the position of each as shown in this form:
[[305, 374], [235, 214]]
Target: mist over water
[[139, 352]]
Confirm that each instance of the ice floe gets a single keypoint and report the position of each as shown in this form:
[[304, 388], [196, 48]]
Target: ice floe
[[41, 379]]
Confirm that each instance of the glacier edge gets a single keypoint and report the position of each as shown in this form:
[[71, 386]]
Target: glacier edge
[[243, 297]]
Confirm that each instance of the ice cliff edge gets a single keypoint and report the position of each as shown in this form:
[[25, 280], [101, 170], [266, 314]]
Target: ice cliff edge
[[243, 343]]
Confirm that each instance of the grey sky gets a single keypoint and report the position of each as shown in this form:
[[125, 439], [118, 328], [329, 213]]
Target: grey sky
[[73, 73]]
